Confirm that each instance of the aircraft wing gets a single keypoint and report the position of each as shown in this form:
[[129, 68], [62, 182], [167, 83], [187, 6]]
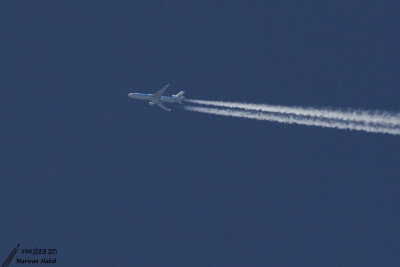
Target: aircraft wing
[[160, 92], [163, 107]]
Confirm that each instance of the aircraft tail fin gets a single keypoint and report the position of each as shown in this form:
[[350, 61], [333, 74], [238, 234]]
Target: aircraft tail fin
[[180, 96], [181, 93]]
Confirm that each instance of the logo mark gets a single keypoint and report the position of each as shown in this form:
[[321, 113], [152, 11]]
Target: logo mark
[[10, 257]]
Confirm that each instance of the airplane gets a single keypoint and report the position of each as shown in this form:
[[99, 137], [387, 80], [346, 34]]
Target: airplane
[[158, 99]]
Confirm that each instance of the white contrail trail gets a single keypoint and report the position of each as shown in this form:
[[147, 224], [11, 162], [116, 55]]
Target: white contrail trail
[[379, 117], [292, 119]]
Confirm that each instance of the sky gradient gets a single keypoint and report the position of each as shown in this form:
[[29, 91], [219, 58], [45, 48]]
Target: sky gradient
[[110, 181]]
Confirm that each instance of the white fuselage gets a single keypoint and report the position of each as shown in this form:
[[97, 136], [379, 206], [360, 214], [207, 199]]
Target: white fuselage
[[150, 98], [158, 99]]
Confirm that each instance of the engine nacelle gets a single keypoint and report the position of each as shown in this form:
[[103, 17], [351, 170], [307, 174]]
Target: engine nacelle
[[152, 103]]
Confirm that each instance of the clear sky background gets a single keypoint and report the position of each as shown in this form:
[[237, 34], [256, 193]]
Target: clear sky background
[[110, 181]]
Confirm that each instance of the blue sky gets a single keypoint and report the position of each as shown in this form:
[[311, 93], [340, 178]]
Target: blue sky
[[109, 181]]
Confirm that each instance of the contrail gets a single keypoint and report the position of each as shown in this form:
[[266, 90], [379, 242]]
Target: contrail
[[295, 119], [377, 117]]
